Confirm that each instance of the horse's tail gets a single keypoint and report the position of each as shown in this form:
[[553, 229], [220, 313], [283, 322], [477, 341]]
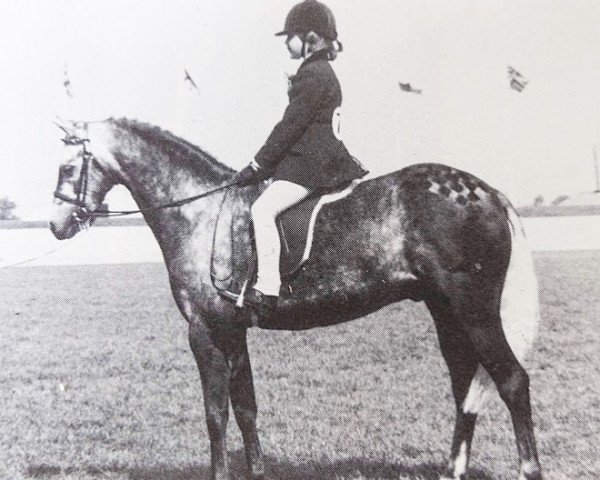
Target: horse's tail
[[519, 308]]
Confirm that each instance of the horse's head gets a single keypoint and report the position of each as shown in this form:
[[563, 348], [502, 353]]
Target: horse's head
[[84, 179]]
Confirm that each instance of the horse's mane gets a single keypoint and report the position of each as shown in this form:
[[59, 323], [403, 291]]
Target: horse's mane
[[179, 151]]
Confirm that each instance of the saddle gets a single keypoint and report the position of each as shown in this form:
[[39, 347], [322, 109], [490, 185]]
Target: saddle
[[233, 268]]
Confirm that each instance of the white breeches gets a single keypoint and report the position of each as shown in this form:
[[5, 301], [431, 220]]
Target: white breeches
[[278, 196]]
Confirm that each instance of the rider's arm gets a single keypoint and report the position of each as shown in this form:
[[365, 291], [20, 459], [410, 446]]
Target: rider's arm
[[306, 94]]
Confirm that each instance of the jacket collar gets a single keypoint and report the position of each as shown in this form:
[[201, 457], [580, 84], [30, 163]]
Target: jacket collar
[[320, 55]]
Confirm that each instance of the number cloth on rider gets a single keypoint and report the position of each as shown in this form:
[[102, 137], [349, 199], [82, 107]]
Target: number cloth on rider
[[302, 148]]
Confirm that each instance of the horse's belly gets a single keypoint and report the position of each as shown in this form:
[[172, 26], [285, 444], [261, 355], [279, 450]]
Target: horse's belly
[[328, 304]]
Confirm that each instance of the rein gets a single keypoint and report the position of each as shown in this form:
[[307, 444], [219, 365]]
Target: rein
[[82, 187], [175, 203]]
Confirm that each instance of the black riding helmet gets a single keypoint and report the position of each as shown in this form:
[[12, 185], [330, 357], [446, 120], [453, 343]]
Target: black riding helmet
[[310, 15]]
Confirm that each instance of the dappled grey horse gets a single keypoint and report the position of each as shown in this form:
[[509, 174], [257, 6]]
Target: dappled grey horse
[[427, 232]]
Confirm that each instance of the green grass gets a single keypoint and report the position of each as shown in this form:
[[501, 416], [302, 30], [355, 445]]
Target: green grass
[[97, 381]]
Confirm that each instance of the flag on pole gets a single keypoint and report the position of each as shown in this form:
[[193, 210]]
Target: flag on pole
[[517, 81], [67, 81], [190, 81], [406, 87]]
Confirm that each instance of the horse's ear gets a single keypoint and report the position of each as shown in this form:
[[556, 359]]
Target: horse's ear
[[64, 126], [70, 130]]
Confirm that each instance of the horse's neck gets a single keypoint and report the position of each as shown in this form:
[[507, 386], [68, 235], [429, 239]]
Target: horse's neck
[[154, 178]]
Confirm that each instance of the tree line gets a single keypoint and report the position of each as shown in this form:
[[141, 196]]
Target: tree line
[[7, 207]]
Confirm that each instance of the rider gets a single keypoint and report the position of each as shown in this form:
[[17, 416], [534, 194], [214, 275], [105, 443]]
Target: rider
[[303, 153]]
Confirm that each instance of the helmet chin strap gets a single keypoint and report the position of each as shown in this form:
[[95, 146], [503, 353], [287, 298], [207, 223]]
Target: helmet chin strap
[[304, 45]]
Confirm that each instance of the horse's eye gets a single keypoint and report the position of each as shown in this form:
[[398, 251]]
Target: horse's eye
[[67, 170]]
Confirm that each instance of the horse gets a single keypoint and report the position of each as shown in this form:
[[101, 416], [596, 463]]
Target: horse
[[427, 232]]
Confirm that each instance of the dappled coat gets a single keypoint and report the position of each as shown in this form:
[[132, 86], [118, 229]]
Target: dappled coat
[[303, 148]]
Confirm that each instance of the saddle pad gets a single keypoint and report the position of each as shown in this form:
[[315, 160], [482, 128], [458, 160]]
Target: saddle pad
[[296, 229]]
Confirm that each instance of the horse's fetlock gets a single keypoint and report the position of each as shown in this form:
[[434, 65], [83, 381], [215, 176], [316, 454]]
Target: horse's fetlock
[[244, 415]]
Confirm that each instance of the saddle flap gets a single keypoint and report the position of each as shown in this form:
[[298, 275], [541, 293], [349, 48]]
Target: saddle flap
[[234, 261], [296, 227]]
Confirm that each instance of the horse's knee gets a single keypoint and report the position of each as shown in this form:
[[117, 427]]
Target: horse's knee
[[216, 419]]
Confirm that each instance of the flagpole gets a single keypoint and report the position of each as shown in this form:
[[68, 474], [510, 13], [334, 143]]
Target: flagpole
[[596, 169]]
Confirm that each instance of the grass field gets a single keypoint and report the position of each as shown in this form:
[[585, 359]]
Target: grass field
[[97, 381]]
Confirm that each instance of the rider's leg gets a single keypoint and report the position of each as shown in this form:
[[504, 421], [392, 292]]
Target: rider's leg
[[278, 196]]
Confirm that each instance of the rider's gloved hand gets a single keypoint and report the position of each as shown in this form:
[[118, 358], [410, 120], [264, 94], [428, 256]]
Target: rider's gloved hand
[[249, 175]]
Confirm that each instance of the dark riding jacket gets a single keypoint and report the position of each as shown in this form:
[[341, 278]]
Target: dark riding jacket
[[302, 148]]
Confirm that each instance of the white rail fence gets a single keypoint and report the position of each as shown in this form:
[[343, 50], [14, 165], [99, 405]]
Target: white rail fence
[[134, 243]]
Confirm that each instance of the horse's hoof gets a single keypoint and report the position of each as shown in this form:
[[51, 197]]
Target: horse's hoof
[[530, 476], [447, 476], [530, 471], [257, 472]]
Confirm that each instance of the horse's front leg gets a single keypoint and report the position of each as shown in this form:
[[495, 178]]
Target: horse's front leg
[[243, 401], [210, 352]]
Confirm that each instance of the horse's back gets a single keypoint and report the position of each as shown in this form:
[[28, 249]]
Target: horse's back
[[451, 209]]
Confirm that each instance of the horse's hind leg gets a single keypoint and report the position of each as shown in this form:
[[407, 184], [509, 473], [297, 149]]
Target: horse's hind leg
[[243, 402], [474, 302], [462, 363], [512, 383]]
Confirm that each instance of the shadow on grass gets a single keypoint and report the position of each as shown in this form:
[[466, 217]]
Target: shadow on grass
[[318, 470]]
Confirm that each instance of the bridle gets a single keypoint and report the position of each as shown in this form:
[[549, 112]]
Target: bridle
[[81, 187], [83, 213]]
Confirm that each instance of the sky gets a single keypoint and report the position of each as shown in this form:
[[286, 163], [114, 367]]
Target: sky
[[127, 58]]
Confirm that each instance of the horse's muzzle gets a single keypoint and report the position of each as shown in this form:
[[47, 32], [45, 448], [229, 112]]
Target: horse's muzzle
[[67, 221]]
